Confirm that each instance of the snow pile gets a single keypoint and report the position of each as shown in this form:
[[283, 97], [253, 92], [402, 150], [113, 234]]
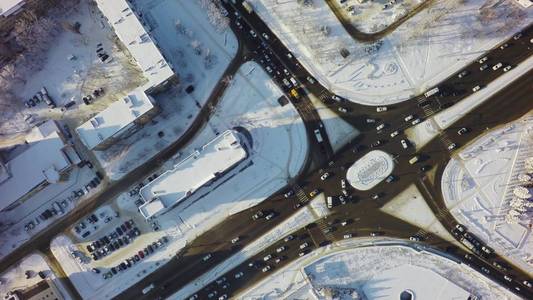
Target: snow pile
[[480, 190], [405, 62]]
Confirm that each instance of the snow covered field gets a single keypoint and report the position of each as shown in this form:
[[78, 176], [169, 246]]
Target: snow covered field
[[15, 278], [361, 266], [373, 16], [278, 151], [200, 54], [13, 234], [404, 63], [478, 188]]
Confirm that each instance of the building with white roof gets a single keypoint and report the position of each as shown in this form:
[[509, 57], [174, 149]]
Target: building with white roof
[[125, 116], [201, 168], [117, 121], [10, 7], [44, 162]]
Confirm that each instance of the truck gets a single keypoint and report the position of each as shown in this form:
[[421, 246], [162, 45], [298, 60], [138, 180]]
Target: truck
[[318, 136], [414, 160], [431, 92], [247, 6], [148, 289], [46, 98]]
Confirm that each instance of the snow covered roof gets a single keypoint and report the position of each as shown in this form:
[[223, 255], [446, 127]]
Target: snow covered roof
[[114, 118], [421, 282], [139, 43], [9, 7], [42, 161], [203, 166], [370, 170]]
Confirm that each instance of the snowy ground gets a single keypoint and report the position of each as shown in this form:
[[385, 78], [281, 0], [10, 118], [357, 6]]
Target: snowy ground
[[404, 63], [365, 266], [70, 79], [478, 187], [200, 54], [15, 278], [279, 149], [13, 234], [371, 16]]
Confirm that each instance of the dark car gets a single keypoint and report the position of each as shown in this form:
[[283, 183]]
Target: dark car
[[126, 240], [137, 257], [120, 242], [116, 245], [123, 227], [113, 270], [128, 225], [85, 234], [119, 231]]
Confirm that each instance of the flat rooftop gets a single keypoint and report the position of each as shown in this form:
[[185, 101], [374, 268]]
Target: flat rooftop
[[203, 166], [421, 282], [42, 161], [139, 43], [7, 7], [114, 118]]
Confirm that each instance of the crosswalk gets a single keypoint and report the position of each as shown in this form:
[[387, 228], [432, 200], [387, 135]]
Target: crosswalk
[[324, 96], [300, 194], [446, 140]]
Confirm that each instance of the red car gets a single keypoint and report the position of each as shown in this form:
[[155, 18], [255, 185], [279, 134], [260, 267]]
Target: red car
[[141, 254]]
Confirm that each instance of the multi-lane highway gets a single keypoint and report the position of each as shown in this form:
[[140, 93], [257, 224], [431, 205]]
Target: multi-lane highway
[[275, 58]]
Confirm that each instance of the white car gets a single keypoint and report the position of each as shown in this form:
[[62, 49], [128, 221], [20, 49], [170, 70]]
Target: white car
[[408, 118], [239, 275], [482, 60], [265, 36], [343, 183], [507, 278], [476, 88], [380, 127], [497, 66], [301, 254], [267, 258], [281, 249], [342, 110], [207, 257], [304, 245], [266, 269], [452, 146], [404, 143], [506, 69], [347, 236], [394, 133], [324, 176], [253, 33], [269, 69], [415, 121], [310, 80], [235, 240], [381, 109]]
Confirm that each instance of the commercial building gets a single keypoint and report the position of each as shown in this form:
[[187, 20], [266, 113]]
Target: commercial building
[[43, 290], [47, 158], [125, 116], [11, 7], [202, 168]]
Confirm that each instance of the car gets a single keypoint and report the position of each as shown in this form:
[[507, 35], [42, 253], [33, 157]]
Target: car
[[497, 66], [343, 183], [517, 36], [460, 228], [416, 121], [96, 270], [221, 280], [380, 127], [266, 269], [119, 231], [347, 236], [288, 194], [258, 215], [506, 69], [425, 168], [381, 109], [375, 144], [414, 238], [310, 80], [390, 179], [212, 294], [336, 98], [207, 257], [476, 88], [375, 233], [238, 275], [235, 240], [281, 249], [114, 270], [375, 196], [267, 258], [265, 36], [452, 146], [239, 25], [483, 59], [504, 46], [302, 253], [269, 69], [223, 297], [342, 109], [324, 176], [526, 283], [279, 259], [85, 234], [136, 257], [270, 216], [304, 245], [483, 67], [313, 193], [404, 143], [463, 74], [408, 118], [508, 278], [462, 131], [252, 33], [141, 254], [289, 238], [485, 270], [370, 121]]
